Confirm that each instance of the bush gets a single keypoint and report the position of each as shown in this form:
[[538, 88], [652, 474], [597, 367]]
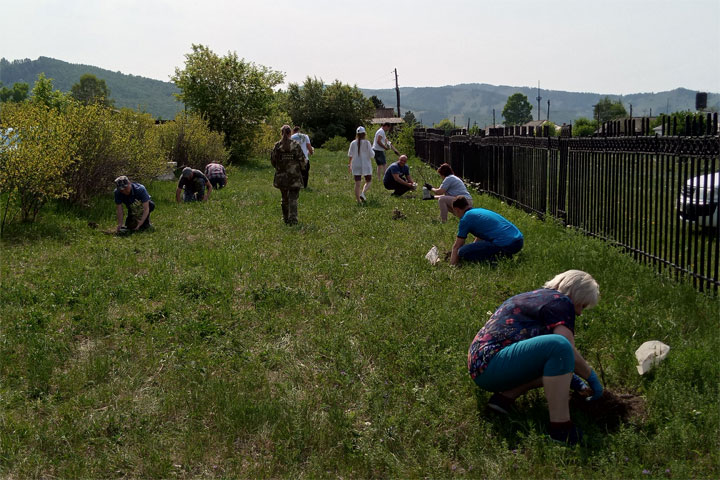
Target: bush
[[35, 159], [270, 133], [189, 141], [584, 127], [402, 138], [337, 144], [108, 143]]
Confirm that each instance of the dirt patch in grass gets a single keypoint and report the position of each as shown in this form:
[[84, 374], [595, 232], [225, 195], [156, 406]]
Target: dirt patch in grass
[[613, 408], [398, 214]]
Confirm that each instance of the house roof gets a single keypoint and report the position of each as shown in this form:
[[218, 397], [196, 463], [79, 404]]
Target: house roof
[[390, 120]]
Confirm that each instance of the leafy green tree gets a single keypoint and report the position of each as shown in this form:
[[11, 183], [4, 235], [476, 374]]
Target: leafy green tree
[[327, 111], [678, 119], [44, 93], [445, 124], [517, 110], [409, 118], [90, 90], [584, 127], [18, 93], [377, 103], [606, 110], [234, 95]]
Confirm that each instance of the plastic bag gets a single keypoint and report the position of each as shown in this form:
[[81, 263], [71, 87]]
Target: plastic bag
[[650, 354], [433, 256]]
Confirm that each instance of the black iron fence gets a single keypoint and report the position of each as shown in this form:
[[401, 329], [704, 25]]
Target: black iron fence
[[653, 194]]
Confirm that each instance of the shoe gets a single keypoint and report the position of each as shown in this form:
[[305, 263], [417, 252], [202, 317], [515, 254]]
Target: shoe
[[566, 433], [362, 197], [500, 403]]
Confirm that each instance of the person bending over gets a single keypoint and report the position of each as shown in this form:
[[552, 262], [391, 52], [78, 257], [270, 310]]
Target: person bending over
[[529, 342], [494, 235], [137, 201], [193, 182]]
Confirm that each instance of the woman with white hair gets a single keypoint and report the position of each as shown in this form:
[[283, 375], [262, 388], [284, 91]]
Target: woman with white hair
[[360, 153], [529, 342]]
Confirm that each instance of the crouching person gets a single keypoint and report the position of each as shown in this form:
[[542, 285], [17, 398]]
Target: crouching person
[[137, 200], [494, 235], [193, 182], [215, 172], [529, 342]]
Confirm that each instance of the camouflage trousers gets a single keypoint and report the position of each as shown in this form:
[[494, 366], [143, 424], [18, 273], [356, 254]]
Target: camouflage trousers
[[290, 205]]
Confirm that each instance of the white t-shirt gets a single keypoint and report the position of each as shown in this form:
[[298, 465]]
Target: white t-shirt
[[380, 134], [360, 164], [303, 140]]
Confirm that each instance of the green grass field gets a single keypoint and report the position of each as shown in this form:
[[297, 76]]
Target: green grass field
[[226, 344]]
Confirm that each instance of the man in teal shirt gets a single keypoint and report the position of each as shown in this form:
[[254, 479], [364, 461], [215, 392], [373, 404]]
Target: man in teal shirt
[[494, 235]]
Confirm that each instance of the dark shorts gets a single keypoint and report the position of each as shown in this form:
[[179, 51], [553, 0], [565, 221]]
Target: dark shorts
[[380, 157]]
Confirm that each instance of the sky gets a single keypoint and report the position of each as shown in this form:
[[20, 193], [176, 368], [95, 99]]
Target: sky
[[602, 46]]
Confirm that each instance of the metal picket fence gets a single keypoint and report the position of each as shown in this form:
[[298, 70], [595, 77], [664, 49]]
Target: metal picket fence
[[656, 196]]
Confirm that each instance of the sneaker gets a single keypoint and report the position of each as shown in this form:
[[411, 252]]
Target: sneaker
[[566, 433], [362, 197], [500, 403]]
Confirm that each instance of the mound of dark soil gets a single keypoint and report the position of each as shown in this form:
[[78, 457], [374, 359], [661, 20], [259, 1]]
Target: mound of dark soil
[[612, 408]]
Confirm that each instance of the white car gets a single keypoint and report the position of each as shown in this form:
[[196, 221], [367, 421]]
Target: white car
[[699, 200]]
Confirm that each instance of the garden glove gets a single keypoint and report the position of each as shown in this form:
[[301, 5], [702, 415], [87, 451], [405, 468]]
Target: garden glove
[[577, 384], [596, 386]]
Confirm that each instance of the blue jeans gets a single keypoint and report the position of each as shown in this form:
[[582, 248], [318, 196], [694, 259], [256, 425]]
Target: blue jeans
[[527, 360], [483, 250], [194, 194]]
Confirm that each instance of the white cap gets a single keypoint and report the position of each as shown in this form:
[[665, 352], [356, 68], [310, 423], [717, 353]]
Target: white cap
[[360, 130]]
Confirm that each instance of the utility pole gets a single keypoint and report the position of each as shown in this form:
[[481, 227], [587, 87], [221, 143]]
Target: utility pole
[[538, 98], [397, 91], [547, 119], [493, 118]]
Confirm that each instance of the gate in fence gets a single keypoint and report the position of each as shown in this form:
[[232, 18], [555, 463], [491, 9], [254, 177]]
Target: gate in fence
[[656, 196]]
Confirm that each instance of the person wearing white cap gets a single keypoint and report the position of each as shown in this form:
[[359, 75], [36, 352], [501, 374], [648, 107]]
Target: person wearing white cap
[[360, 153]]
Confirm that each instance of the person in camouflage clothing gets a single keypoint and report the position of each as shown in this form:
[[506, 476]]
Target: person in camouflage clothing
[[289, 161]]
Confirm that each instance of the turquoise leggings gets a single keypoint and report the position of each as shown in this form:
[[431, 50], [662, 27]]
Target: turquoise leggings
[[527, 360]]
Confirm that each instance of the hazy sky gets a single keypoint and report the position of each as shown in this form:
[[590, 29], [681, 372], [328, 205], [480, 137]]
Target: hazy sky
[[604, 46]]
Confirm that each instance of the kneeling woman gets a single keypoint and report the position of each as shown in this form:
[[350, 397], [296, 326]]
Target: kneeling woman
[[450, 188], [529, 342]]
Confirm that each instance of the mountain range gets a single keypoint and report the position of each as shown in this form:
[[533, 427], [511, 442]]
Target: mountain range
[[474, 102]]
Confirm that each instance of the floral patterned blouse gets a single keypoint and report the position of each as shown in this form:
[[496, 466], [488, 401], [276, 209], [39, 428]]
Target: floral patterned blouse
[[521, 317]]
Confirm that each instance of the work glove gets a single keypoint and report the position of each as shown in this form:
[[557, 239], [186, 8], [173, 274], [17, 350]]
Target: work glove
[[428, 186], [577, 384], [596, 386]]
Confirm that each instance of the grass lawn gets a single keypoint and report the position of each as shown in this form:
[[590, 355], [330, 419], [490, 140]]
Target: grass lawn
[[226, 344]]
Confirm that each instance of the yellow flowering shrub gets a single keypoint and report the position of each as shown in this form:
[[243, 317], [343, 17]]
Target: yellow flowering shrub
[[189, 141], [34, 163]]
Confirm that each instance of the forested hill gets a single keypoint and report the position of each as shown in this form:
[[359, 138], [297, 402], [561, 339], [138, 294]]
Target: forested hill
[[146, 94], [429, 104], [477, 100]]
